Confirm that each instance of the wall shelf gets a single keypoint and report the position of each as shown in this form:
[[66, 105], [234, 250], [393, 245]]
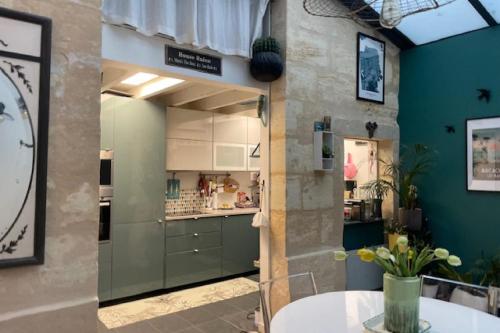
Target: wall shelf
[[321, 139]]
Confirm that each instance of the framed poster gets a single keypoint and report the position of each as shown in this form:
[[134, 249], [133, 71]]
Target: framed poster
[[370, 79], [25, 43], [483, 154]]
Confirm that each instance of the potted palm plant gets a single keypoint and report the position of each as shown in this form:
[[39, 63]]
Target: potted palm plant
[[377, 190], [414, 162], [402, 266]]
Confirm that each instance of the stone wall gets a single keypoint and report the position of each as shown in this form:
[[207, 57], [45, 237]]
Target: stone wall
[[61, 295], [319, 80]]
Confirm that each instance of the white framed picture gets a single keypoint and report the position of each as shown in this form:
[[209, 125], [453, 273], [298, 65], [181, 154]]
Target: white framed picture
[[25, 47], [370, 81], [483, 154]]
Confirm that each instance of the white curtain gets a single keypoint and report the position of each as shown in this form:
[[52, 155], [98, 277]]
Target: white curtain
[[227, 26]]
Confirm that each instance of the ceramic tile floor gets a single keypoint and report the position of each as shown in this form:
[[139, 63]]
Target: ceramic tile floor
[[203, 312], [228, 316]]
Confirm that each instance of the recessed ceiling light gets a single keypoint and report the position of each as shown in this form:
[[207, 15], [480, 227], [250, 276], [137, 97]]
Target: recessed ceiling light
[[139, 78], [158, 85]]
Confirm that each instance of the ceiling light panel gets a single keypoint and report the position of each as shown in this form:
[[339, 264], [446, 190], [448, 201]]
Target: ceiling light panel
[[139, 78], [159, 85]]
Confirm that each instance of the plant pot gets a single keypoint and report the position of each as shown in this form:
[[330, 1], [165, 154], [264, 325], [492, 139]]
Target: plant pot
[[377, 209], [411, 218], [463, 297], [430, 290], [401, 303], [266, 66]]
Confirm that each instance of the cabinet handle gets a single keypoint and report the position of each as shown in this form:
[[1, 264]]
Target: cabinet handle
[[195, 218], [196, 251], [196, 234], [226, 216], [159, 220]]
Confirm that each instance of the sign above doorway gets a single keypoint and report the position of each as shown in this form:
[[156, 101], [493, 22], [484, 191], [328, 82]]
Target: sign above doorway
[[193, 60]]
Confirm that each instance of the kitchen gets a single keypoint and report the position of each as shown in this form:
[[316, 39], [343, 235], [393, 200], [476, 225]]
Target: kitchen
[[180, 182]]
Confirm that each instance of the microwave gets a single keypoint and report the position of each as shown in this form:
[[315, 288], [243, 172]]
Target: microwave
[[106, 178]]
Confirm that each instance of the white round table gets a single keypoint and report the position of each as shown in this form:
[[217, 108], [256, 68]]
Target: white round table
[[345, 312]]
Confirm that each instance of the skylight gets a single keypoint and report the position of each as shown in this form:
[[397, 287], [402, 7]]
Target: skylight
[[453, 19], [493, 6]]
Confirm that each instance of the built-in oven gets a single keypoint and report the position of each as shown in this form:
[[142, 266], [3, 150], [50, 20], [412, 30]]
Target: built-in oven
[[106, 179], [105, 220]]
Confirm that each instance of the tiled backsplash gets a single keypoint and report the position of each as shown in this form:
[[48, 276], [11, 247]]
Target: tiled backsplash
[[189, 201]]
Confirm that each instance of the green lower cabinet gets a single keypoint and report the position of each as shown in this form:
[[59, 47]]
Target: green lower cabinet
[[104, 289], [192, 266], [138, 258], [240, 244]]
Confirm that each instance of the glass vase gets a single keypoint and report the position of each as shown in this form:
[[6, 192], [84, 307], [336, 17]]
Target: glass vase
[[401, 303]]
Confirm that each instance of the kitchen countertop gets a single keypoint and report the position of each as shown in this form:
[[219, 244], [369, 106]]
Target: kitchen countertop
[[214, 213]]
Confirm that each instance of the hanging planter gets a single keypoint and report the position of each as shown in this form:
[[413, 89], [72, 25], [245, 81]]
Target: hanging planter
[[266, 64]]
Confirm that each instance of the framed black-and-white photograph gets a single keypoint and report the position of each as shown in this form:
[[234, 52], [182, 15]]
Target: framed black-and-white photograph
[[25, 43], [483, 154], [370, 80]]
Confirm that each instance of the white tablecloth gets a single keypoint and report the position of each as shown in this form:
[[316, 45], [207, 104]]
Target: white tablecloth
[[345, 312]]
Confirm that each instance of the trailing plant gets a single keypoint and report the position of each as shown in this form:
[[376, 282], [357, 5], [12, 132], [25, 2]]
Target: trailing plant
[[403, 260]]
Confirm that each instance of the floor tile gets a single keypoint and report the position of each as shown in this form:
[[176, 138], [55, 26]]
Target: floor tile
[[192, 329], [218, 326], [171, 323], [140, 327], [241, 320], [196, 315], [221, 308], [247, 303], [137, 311]]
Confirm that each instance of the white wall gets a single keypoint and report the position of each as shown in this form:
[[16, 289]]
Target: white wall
[[150, 52]]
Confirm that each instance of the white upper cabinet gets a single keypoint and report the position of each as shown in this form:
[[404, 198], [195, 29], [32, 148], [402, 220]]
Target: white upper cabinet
[[189, 124], [230, 128], [185, 154], [253, 130], [253, 163], [230, 156]]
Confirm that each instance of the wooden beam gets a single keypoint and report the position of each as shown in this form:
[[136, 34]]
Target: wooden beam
[[191, 94], [221, 100], [485, 14], [237, 108]]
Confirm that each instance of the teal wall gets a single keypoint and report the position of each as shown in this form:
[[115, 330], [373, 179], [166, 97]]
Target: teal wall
[[438, 87]]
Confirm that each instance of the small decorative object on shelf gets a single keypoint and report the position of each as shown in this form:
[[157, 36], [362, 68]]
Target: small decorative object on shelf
[[323, 151], [402, 266], [266, 64], [319, 126], [327, 123]]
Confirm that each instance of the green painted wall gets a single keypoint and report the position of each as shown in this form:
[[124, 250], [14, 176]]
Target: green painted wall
[[438, 87]]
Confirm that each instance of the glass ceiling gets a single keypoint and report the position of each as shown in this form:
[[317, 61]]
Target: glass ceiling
[[453, 19], [493, 6]]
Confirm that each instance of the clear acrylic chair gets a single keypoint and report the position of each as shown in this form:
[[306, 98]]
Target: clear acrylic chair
[[278, 292], [477, 297]]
